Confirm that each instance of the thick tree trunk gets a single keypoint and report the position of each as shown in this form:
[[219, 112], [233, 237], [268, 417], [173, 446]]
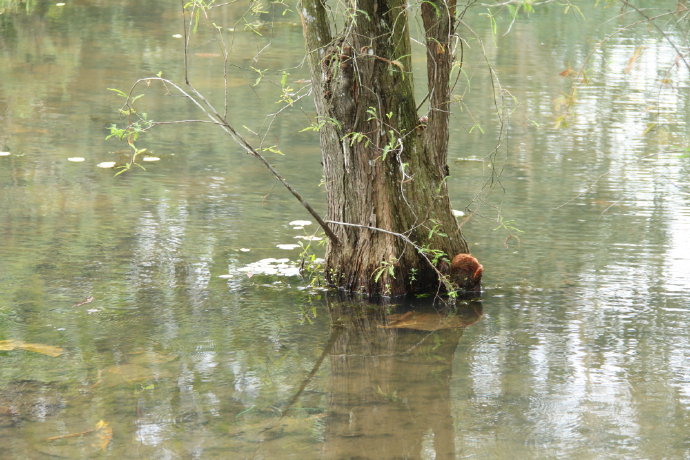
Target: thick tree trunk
[[384, 167]]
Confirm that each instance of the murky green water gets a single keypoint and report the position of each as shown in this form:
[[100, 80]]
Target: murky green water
[[579, 348]]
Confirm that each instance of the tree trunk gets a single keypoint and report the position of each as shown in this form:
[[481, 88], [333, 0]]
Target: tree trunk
[[384, 166]]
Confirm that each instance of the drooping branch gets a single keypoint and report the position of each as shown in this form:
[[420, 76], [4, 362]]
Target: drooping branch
[[207, 108], [214, 115]]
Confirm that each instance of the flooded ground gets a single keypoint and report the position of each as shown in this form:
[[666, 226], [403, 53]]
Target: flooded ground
[[131, 327]]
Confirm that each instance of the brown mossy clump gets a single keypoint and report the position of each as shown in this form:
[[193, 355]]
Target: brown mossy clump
[[466, 272]]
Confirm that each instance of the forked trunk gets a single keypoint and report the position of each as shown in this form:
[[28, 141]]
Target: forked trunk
[[384, 166]]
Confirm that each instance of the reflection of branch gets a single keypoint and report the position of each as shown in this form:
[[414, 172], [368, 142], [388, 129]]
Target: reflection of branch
[[327, 349], [659, 29], [273, 423]]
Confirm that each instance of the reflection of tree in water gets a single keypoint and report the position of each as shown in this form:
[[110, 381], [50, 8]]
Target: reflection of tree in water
[[389, 388]]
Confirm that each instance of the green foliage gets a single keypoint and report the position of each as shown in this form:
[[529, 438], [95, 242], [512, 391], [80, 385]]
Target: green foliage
[[392, 144], [390, 395], [434, 255], [130, 133], [253, 26], [272, 149], [197, 7], [393, 139], [512, 10], [311, 266], [128, 108], [357, 137], [258, 7], [510, 228], [435, 230], [478, 127], [492, 20], [287, 94], [385, 267], [260, 77], [508, 225], [316, 126]]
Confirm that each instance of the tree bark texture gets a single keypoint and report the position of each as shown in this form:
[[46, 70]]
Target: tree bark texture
[[384, 166]]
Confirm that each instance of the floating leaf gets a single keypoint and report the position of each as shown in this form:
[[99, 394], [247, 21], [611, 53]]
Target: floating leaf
[[9, 345], [84, 302], [299, 223], [270, 266], [308, 237], [287, 247]]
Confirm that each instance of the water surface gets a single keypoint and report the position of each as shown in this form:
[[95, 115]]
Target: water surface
[[579, 347]]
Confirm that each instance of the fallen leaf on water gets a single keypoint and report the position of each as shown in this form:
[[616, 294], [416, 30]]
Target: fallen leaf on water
[[84, 302], [102, 432], [9, 345], [568, 73]]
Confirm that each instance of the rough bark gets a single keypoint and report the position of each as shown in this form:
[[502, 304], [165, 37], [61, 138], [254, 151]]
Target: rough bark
[[384, 166]]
